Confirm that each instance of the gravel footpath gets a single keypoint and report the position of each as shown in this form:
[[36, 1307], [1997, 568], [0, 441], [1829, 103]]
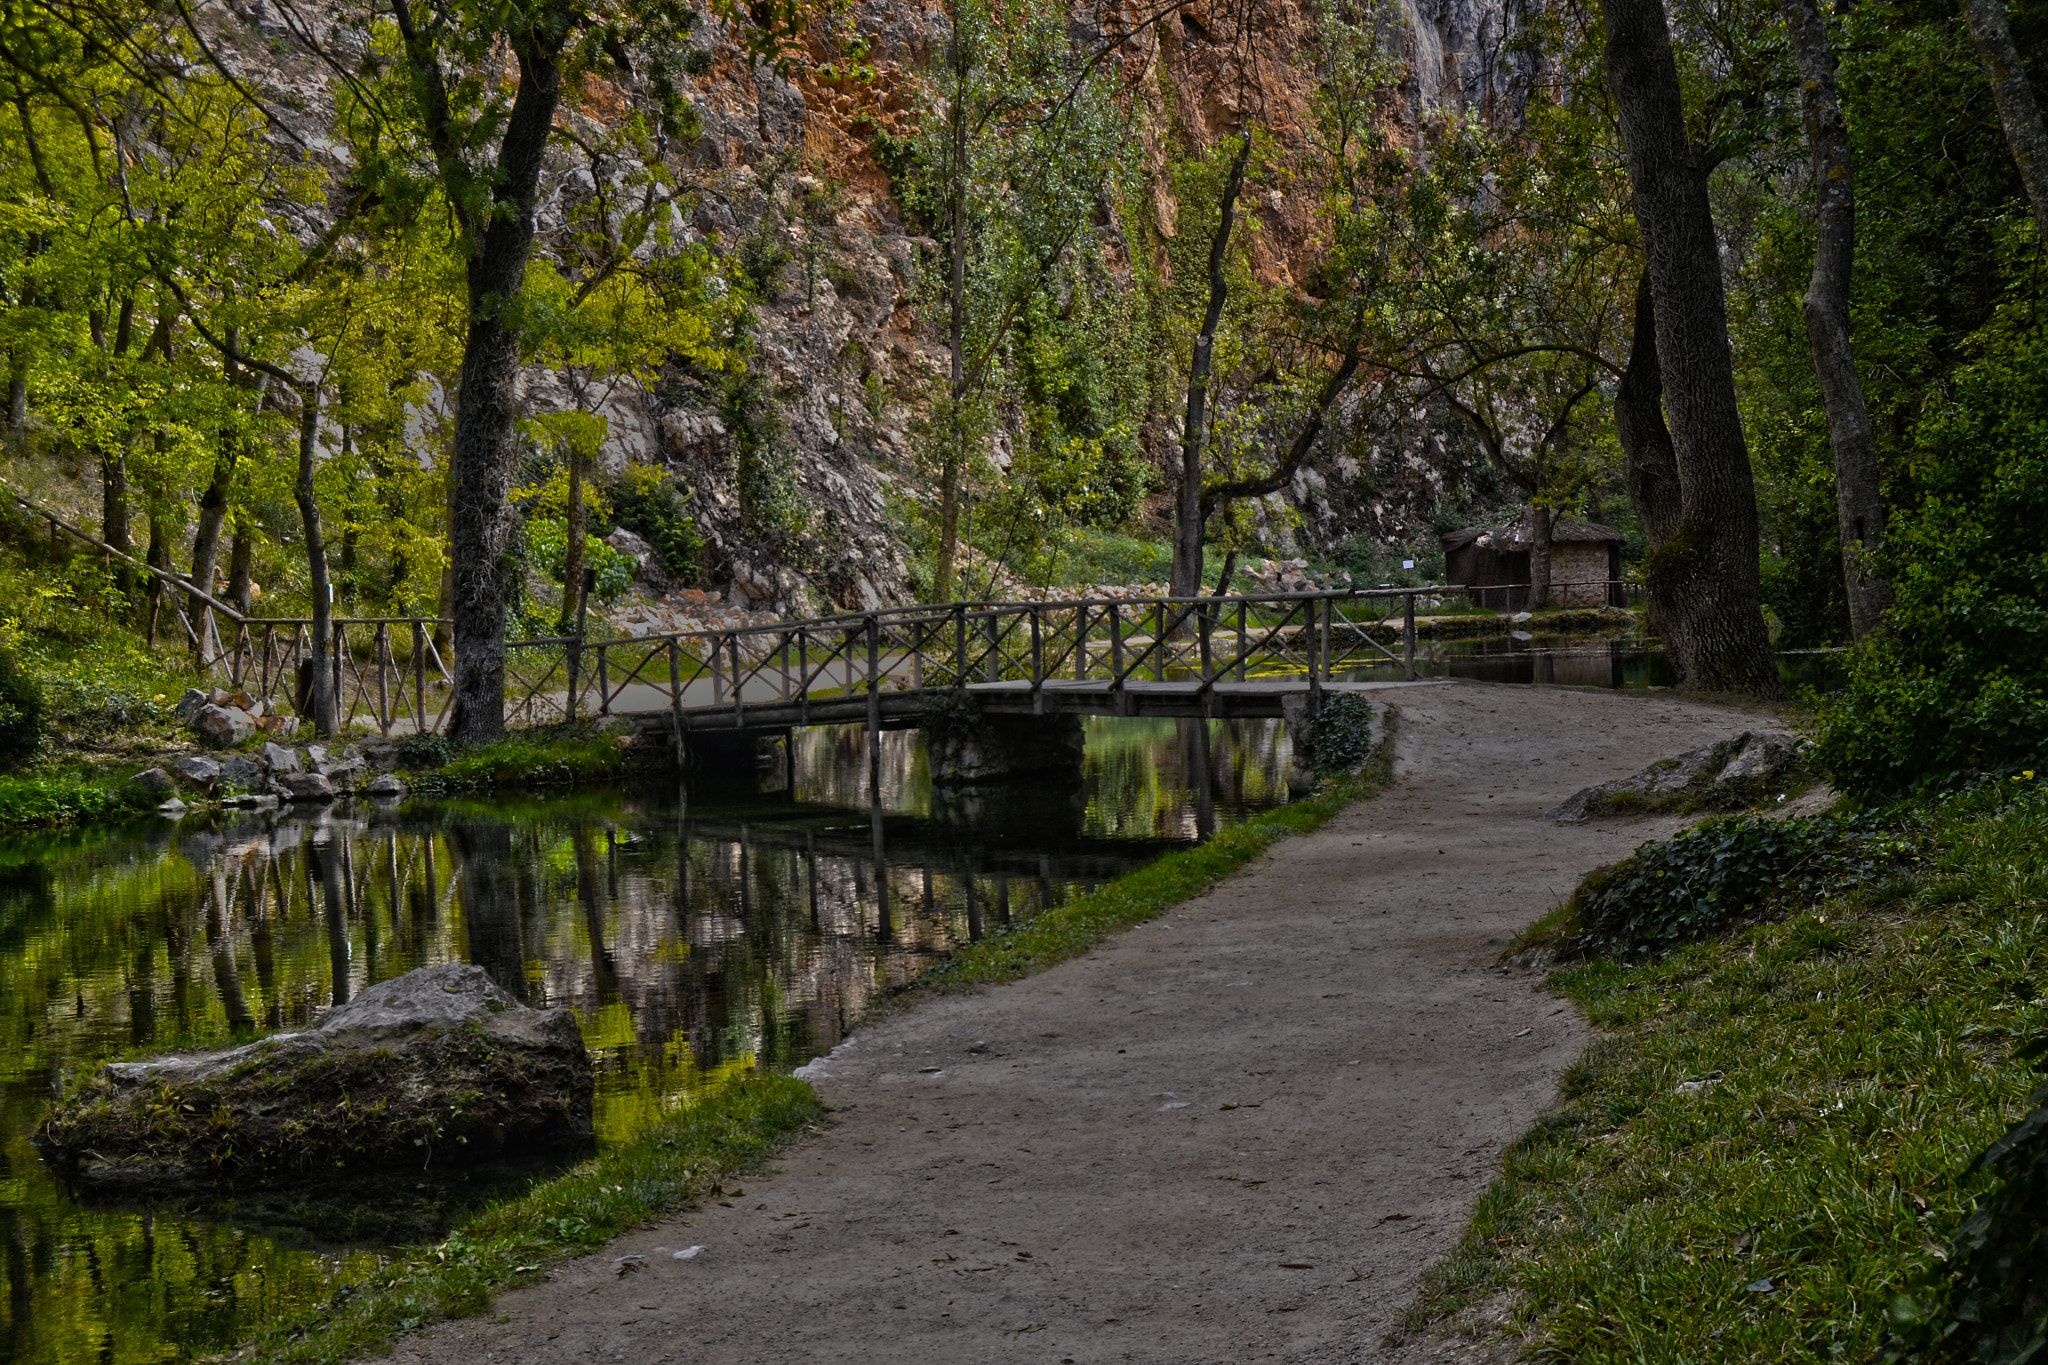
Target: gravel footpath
[[1238, 1132]]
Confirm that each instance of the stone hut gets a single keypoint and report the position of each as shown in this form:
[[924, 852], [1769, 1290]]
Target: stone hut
[[1585, 564]]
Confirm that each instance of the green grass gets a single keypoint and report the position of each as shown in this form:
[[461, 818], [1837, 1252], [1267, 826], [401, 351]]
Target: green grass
[[553, 760], [28, 802], [686, 1157], [1855, 1055]]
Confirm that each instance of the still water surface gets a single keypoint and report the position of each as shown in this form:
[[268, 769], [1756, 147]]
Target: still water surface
[[745, 921]]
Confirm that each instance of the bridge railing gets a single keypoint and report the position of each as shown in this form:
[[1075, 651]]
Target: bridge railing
[[390, 671]]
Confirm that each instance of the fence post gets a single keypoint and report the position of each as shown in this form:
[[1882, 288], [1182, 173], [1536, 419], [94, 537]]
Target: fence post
[[340, 643], [675, 695], [419, 677], [384, 679], [1315, 663], [1037, 664], [1081, 642], [1323, 647], [875, 714], [739, 703], [604, 701], [1408, 631], [960, 646], [1244, 639]]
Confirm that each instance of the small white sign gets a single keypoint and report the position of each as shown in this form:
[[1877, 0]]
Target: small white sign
[[1407, 563]]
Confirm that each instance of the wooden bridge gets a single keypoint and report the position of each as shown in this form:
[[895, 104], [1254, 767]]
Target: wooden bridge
[[1228, 656]]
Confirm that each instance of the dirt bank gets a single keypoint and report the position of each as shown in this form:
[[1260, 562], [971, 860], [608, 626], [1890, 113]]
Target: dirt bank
[[1239, 1132]]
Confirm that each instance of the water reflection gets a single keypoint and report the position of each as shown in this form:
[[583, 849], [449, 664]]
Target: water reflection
[[750, 919]]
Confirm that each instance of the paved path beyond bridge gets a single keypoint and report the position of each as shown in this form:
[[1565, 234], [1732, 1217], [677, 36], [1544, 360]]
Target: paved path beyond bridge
[[1239, 1132]]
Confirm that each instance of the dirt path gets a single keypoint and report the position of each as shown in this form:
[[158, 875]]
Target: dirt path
[[1239, 1132]]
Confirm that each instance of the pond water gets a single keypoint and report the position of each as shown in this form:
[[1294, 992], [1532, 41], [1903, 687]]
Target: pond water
[[1616, 661], [745, 920]]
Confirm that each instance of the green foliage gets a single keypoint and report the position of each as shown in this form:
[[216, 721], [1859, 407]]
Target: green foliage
[[66, 799], [532, 759], [1772, 1135], [21, 713], [1342, 736], [1959, 683], [547, 542], [1723, 873], [647, 502], [424, 750]]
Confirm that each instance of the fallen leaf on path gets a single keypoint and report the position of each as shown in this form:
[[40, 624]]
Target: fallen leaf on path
[[688, 1254], [1525, 1033], [1361, 1275], [628, 1264], [1396, 1218]]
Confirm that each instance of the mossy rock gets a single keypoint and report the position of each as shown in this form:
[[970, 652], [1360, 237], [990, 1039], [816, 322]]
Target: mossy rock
[[436, 1068]]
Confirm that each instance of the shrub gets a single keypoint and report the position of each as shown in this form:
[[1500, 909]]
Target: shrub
[[1959, 683], [1342, 733], [547, 542], [425, 750], [21, 713], [647, 503], [1723, 873]]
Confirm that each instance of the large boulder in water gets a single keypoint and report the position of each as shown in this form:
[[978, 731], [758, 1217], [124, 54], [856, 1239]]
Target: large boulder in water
[[439, 1067]]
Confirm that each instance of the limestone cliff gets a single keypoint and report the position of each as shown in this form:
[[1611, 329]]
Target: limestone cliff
[[849, 332]]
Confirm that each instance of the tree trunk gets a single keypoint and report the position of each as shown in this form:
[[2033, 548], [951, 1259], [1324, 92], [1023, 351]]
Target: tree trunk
[[1706, 570], [487, 413], [572, 558], [1858, 507], [1541, 523], [239, 551], [1650, 463], [953, 464], [1188, 509], [213, 502], [2017, 111], [322, 690], [114, 514]]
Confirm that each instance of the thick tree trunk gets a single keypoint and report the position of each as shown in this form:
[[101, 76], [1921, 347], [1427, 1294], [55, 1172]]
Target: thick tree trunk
[[240, 549], [1541, 524], [1650, 463], [1859, 508], [1706, 570], [487, 413], [317, 583], [1189, 513], [114, 514], [2017, 111]]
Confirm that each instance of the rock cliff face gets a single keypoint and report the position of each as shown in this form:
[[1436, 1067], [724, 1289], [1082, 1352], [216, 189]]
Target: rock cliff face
[[849, 332]]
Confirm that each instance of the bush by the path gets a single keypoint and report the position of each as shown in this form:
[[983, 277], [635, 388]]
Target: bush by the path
[[1959, 683], [1776, 1135], [1722, 873]]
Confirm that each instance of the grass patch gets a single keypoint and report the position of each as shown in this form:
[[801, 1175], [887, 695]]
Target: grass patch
[[1769, 1143], [683, 1158], [32, 802], [1071, 929], [530, 759]]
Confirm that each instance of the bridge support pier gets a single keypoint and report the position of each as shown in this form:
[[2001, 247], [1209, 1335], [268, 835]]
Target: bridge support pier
[[997, 748]]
